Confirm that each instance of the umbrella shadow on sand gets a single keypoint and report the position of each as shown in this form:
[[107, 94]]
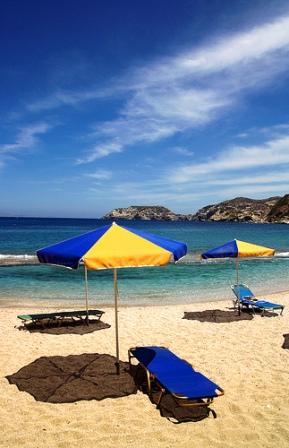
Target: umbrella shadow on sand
[[217, 316], [66, 327], [67, 379], [223, 316]]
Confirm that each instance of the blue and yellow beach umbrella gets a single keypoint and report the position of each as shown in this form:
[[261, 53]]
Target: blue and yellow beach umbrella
[[237, 249], [112, 247]]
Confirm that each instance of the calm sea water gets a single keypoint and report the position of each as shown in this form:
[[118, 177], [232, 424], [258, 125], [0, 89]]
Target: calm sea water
[[190, 280]]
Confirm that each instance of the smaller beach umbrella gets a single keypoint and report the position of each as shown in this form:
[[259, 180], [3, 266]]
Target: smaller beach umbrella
[[238, 249], [112, 247]]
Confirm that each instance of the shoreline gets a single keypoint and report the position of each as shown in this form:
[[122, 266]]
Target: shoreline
[[66, 303]]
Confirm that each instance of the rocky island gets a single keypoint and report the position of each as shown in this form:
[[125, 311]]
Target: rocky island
[[271, 210], [238, 210], [146, 213]]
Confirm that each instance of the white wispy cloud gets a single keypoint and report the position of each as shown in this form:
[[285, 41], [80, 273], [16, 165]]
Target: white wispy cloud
[[250, 47], [153, 116], [100, 175], [177, 93], [62, 98], [27, 138], [190, 89], [192, 197], [254, 171], [271, 153], [268, 178], [272, 131], [97, 152], [183, 151], [238, 51]]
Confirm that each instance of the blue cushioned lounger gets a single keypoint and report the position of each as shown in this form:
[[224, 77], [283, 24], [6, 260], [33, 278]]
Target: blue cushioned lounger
[[247, 299], [175, 376]]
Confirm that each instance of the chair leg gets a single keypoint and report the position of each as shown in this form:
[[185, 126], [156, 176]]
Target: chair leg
[[160, 397]]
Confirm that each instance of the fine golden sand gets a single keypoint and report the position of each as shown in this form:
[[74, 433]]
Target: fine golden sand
[[245, 358]]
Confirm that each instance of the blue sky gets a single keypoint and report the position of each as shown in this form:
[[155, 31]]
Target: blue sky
[[106, 104]]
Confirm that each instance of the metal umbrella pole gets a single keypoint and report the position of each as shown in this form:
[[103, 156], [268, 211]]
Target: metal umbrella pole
[[237, 270], [238, 279], [86, 292], [116, 295]]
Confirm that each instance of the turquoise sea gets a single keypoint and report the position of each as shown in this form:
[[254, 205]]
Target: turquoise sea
[[190, 280]]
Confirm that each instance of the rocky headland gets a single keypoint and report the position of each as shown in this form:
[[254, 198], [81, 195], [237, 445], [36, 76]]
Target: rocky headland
[[271, 210], [146, 213], [238, 210]]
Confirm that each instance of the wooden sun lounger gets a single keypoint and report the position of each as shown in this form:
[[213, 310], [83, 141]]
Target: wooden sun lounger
[[45, 319]]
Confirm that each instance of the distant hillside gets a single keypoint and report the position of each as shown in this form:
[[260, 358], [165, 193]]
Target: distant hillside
[[146, 213], [239, 210], [280, 211], [271, 210]]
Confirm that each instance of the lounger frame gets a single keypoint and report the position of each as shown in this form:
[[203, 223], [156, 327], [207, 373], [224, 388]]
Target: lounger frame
[[181, 400], [251, 303], [46, 319]]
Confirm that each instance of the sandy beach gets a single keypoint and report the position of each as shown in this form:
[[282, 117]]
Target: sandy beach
[[245, 358]]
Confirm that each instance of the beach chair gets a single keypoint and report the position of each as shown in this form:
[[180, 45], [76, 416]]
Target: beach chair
[[46, 319], [246, 299], [173, 375]]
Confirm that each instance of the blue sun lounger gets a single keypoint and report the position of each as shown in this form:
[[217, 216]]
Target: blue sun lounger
[[247, 299], [176, 376]]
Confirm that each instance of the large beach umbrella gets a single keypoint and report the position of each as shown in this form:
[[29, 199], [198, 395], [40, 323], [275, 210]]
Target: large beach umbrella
[[238, 249], [112, 247]]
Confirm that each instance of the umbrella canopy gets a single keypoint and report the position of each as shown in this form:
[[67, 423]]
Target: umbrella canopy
[[111, 247], [237, 248]]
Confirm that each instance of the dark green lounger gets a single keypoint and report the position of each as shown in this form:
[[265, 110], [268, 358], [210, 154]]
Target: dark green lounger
[[48, 318]]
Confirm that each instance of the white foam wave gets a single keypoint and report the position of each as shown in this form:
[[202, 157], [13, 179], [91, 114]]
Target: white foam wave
[[190, 258], [282, 254], [17, 259], [22, 256]]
